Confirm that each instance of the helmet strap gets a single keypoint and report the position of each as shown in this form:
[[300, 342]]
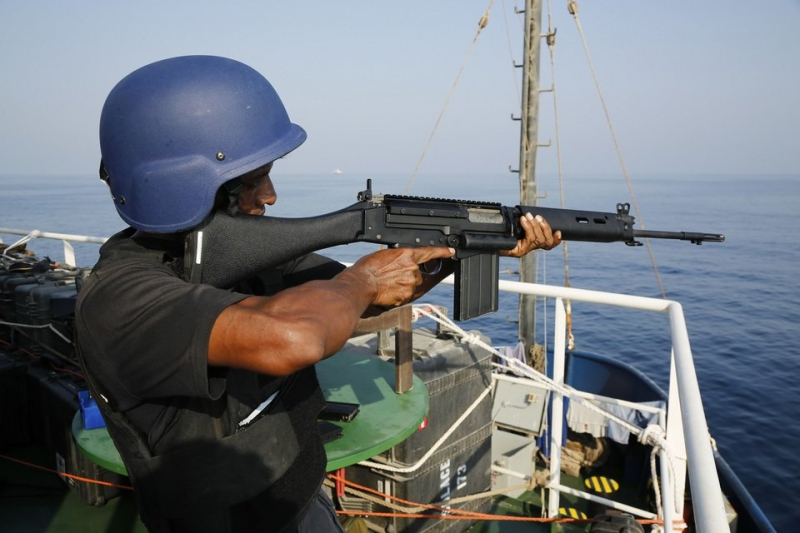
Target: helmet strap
[[232, 190], [105, 178]]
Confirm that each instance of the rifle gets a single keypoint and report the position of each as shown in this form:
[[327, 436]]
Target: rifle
[[226, 249]]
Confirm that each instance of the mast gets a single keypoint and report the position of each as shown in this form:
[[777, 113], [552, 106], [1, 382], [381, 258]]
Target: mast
[[527, 164]]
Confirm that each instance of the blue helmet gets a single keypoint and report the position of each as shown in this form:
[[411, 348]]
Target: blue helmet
[[172, 132]]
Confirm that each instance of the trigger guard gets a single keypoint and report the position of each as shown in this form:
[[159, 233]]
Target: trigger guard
[[431, 270]]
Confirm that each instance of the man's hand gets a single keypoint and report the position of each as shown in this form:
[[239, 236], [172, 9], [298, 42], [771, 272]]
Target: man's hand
[[395, 274], [538, 236]]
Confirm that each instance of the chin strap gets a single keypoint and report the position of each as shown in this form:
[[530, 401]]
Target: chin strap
[[232, 189]]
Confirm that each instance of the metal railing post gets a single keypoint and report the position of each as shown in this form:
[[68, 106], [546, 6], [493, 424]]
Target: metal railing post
[[557, 402], [707, 502], [675, 440]]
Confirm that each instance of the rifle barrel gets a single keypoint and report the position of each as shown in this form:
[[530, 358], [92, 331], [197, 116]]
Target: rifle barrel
[[697, 238]]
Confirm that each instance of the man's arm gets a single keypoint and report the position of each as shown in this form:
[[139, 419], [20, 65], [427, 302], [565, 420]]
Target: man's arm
[[300, 326]]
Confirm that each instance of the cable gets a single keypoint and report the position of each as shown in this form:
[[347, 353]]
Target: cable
[[482, 23], [64, 474], [38, 326], [573, 9], [435, 447]]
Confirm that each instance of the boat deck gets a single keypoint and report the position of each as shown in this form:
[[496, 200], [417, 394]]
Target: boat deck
[[37, 500], [529, 504]]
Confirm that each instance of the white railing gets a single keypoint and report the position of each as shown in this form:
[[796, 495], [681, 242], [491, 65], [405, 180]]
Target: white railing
[[684, 397], [66, 238]]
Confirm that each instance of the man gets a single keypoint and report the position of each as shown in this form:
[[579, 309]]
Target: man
[[210, 395]]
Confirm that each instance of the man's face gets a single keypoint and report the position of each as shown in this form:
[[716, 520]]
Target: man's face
[[257, 191]]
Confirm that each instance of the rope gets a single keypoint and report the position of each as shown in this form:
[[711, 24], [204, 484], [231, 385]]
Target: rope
[[654, 436], [470, 338], [416, 506], [436, 315], [573, 9], [449, 513], [37, 326], [651, 436], [482, 23], [435, 447], [384, 502], [64, 474], [32, 235]]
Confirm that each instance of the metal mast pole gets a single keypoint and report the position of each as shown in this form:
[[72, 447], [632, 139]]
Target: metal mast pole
[[527, 165]]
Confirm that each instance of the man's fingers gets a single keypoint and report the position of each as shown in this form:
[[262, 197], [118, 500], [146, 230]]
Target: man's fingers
[[547, 232], [427, 253], [550, 239], [538, 234]]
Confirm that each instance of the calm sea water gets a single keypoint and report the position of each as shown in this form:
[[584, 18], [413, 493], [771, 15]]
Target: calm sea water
[[740, 298]]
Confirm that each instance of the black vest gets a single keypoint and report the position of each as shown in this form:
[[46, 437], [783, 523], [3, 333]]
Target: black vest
[[260, 478]]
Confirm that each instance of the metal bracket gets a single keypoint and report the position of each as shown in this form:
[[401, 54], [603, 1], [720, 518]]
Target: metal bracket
[[398, 319]]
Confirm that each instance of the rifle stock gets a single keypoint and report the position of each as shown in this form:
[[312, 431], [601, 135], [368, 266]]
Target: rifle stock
[[227, 249]]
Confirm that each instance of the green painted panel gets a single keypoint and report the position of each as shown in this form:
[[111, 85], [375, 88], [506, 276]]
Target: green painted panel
[[385, 418]]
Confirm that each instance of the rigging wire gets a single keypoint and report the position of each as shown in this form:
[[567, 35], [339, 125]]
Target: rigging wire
[[482, 23], [572, 7], [551, 44], [539, 259], [511, 51]]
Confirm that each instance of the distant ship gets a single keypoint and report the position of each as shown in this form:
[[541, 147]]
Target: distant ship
[[338, 171]]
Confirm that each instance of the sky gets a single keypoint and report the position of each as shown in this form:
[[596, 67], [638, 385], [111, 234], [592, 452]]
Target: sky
[[691, 87]]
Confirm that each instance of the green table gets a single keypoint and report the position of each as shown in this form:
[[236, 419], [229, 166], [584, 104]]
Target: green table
[[386, 418]]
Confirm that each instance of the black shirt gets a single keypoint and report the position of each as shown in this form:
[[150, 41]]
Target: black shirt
[[143, 334]]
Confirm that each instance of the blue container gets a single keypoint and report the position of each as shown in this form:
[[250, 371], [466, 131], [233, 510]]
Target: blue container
[[90, 413]]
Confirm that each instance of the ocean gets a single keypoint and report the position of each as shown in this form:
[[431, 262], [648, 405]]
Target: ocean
[[740, 298]]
